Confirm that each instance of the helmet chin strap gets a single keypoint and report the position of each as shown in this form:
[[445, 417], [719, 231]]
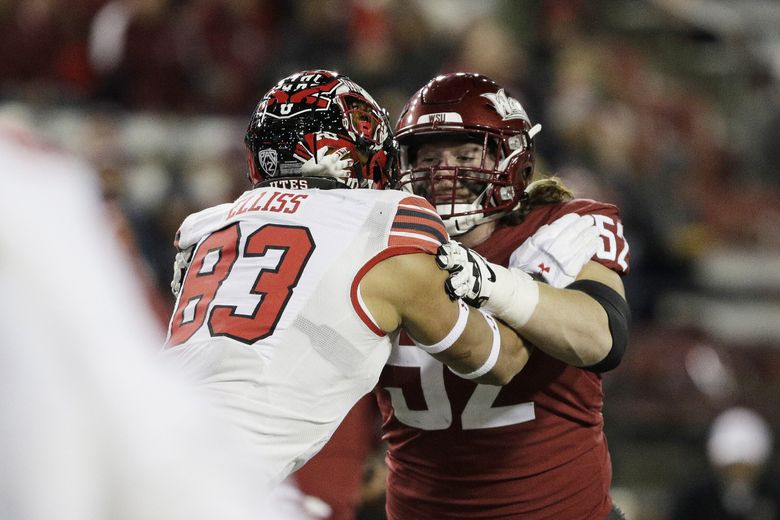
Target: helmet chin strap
[[462, 224]]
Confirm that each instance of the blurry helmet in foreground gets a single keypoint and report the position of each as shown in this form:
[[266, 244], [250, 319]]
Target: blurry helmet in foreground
[[469, 108], [320, 124]]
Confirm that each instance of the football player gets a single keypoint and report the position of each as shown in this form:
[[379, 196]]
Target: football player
[[94, 425], [533, 448], [293, 294]]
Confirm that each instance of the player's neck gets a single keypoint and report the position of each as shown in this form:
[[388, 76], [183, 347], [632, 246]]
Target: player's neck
[[477, 235]]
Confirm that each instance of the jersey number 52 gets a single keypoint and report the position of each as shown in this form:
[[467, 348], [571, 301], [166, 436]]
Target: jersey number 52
[[479, 411]]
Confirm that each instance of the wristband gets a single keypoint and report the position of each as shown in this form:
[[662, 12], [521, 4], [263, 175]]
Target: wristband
[[452, 336], [495, 349]]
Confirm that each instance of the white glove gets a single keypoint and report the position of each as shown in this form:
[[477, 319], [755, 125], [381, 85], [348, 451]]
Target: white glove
[[328, 165], [509, 294], [471, 276], [558, 251], [180, 265]]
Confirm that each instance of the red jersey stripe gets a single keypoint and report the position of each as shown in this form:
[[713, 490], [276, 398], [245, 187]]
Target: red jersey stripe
[[353, 291], [417, 223]]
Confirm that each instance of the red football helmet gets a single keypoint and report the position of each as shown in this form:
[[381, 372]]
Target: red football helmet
[[311, 113], [465, 107]]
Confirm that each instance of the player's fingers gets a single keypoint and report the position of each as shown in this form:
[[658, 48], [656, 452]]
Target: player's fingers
[[459, 282], [562, 223], [575, 227], [446, 255], [590, 240]]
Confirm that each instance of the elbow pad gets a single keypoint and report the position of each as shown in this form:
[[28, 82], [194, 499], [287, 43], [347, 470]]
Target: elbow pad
[[619, 316]]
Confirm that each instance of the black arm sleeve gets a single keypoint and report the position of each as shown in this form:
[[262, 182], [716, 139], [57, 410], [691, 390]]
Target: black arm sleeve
[[619, 316]]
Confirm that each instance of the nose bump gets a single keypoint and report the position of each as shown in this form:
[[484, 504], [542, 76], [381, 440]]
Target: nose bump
[[446, 159], [443, 182]]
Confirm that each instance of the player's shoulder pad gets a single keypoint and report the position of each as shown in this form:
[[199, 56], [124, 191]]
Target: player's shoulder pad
[[417, 224], [585, 207], [198, 225]]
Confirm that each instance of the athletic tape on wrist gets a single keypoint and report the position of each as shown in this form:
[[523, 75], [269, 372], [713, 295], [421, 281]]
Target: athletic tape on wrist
[[495, 349], [514, 297], [453, 335]]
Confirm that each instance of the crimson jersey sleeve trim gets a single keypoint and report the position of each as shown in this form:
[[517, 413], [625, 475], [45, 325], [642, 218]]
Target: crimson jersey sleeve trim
[[354, 293]]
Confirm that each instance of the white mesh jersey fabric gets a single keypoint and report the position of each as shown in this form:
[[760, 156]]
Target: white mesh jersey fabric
[[289, 390]]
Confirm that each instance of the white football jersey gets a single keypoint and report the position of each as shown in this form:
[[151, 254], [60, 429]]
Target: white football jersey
[[270, 318]]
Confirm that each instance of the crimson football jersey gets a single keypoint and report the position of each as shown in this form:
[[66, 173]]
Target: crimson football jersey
[[533, 449]]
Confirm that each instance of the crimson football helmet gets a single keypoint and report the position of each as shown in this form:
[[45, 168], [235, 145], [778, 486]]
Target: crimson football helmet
[[465, 107], [308, 116]]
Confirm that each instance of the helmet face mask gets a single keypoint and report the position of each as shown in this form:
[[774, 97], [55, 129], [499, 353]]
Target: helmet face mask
[[466, 147], [312, 110]]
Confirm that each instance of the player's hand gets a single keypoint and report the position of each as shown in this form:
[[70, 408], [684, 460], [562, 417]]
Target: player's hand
[[558, 251], [328, 164], [180, 265], [471, 277]]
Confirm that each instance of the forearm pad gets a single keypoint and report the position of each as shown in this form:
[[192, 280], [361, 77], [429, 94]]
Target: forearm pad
[[619, 316], [513, 298]]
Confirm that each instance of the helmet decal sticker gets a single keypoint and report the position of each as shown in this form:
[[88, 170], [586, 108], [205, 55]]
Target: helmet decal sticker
[[306, 93], [440, 117], [312, 113], [268, 160], [506, 106]]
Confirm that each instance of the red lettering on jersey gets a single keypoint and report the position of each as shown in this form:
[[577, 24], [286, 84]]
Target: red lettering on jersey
[[256, 204], [296, 202], [280, 201], [238, 207], [543, 268], [270, 200], [284, 202]]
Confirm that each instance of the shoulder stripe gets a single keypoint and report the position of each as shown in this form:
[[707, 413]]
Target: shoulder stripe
[[415, 201], [418, 214], [401, 238], [416, 223], [427, 208], [436, 232]]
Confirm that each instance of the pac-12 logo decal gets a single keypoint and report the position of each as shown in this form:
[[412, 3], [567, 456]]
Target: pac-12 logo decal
[[268, 160], [506, 106]]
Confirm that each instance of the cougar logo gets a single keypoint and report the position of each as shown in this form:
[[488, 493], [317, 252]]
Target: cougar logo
[[506, 106], [268, 160]]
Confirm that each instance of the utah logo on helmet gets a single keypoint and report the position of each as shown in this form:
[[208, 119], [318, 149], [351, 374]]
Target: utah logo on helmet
[[301, 93]]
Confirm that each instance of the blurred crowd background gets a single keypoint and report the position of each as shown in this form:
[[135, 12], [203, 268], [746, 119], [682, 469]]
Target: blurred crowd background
[[668, 108]]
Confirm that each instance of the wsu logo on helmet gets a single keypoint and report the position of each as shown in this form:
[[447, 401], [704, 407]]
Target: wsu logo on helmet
[[506, 106]]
